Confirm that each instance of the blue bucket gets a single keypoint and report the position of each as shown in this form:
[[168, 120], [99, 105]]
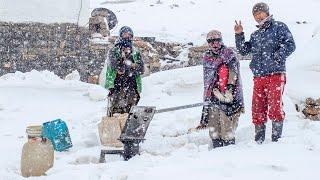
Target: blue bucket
[[57, 132]]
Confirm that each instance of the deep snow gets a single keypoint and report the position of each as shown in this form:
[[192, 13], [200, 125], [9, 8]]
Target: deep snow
[[169, 153]]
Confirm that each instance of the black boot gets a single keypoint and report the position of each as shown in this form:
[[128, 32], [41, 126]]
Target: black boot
[[229, 142], [217, 143], [276, 130], [260, 131]]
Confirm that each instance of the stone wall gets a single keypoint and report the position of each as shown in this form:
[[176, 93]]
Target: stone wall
[[63, 48], [60, 48]]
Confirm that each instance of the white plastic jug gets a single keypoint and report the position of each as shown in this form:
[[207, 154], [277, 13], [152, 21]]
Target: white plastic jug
[[37, 154], [110, 129]]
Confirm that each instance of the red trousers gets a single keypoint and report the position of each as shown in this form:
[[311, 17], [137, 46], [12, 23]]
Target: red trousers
[[267, 98]]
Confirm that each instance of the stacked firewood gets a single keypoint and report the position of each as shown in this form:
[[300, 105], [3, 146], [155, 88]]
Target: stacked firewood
[[312, 109]]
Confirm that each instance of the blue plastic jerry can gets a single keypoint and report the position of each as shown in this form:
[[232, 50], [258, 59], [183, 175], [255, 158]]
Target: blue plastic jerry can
[[57, 132]]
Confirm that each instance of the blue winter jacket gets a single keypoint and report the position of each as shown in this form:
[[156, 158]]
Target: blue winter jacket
[[270, 45]]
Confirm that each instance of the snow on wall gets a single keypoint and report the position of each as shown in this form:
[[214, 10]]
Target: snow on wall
[[45, 11]]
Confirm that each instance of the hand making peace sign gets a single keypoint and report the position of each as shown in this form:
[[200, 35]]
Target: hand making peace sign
[[238, 27]]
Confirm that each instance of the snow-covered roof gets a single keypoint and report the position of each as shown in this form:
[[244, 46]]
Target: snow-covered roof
[[45, 11]]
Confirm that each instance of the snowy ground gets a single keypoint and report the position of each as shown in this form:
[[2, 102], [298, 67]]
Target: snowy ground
[[168, 152], [33, 98]]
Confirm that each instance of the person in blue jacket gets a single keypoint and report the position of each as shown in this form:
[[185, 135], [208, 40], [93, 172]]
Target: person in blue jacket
[[270, 46]]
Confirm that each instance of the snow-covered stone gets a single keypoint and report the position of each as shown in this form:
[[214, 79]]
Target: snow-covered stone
[[73, 76], [97, 93]]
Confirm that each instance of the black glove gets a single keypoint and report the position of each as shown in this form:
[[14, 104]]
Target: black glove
[[230, 87], [111, 91]]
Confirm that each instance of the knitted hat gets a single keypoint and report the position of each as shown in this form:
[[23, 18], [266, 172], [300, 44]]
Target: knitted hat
[[260, 7], [214, 34], [125, 29]]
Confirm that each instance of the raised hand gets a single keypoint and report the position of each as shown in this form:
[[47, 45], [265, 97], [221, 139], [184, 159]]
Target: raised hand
[[238, 27]]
